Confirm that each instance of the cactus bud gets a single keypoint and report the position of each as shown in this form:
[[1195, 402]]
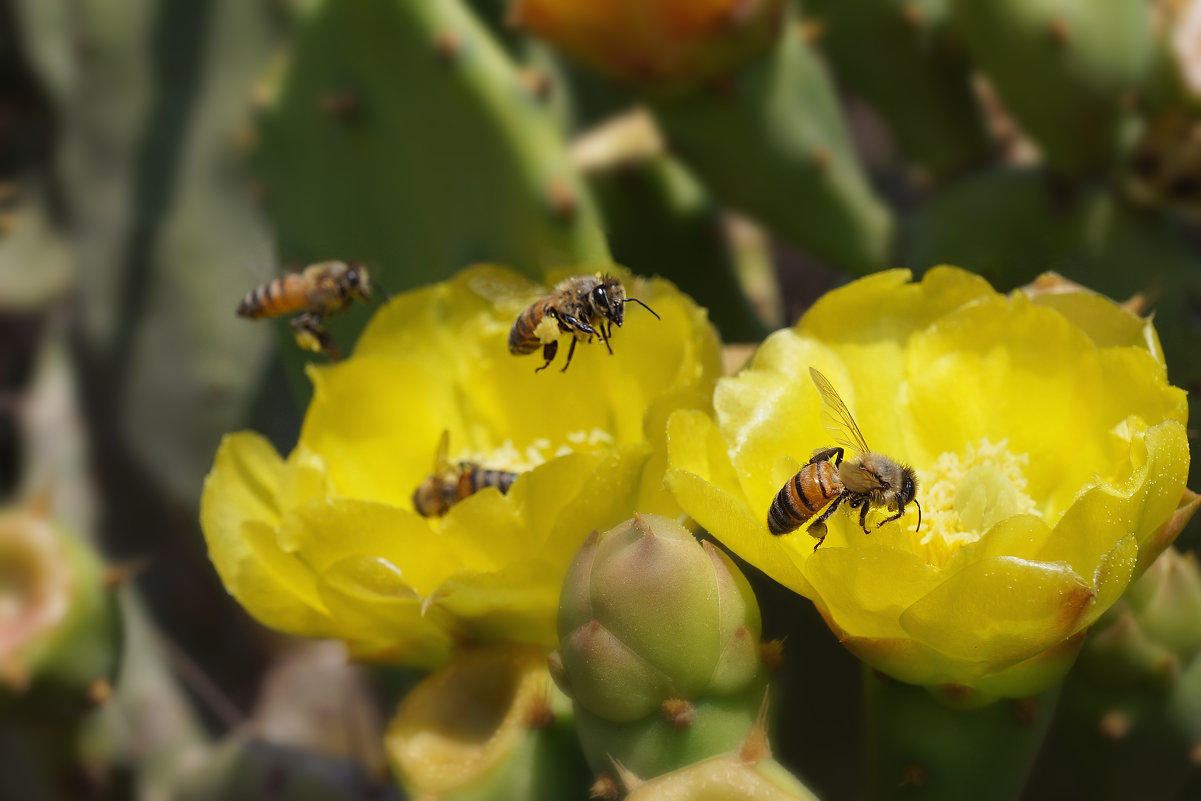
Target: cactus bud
[[490, 725], [660, 648], [59, 625]]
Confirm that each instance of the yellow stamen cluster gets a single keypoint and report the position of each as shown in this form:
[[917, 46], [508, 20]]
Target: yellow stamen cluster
[[964, 495]]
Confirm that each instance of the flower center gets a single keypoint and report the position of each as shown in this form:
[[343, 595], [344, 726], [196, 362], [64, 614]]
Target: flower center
[[518, 460], [965, 494]]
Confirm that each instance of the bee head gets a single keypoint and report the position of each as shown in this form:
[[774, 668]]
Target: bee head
[[907, 492], [358, 281], [608, 298]]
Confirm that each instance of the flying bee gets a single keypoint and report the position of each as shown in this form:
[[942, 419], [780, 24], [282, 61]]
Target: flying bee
[[584, 306], [865, 480], [317, 292], [451, 483]]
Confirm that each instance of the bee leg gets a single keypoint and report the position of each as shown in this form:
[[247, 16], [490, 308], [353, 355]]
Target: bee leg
[[548, 352], [570, 353], [604, 335], [312, 336], [897, 516], [829, 454], [863, 517], [578, 325], [818, 527]]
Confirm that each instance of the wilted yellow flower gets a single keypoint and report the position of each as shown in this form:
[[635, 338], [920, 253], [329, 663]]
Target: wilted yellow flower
[[1050, 451], [326, 542], [655, 43]]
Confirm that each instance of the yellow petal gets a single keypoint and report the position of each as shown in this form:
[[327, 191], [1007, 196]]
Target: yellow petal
[[1105, 322], [238, 513], [373, 605], [1001, 610], [704, 482], [323, 534], [514, 604], [848, 580]]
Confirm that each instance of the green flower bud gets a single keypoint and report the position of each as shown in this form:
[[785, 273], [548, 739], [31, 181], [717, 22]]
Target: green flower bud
[[660, 647], [60, 632], [490, 726]]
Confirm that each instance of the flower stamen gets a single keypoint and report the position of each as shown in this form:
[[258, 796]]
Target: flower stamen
[[965, 494]]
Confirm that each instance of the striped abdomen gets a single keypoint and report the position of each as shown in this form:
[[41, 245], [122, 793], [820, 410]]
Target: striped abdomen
[[475, 478], [522, 338], [282, 295], [813, 486]]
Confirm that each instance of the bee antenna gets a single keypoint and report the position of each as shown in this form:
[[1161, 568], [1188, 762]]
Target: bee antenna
[[919, 516], [643, 305], [387, 295]]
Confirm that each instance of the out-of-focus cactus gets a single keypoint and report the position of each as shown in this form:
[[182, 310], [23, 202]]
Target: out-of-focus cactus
[[1129, 723], [61, 633], [1065, 70], [905, 60], [664, 47], [766, 135], [490, 726], [403, 136], [659, 648], [659, 219], [247, 768]]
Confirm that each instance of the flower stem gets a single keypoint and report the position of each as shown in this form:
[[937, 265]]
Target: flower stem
[[919, 747]]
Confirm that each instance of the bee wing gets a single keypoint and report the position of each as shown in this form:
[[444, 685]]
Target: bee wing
[[442, 455], [845, 431]]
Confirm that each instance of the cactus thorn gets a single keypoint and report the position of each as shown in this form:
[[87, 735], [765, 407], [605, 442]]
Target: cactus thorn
[[536, 82], [605, 787], [99, 691], [14, 675], [563, 200], [740, 12], [679, 712], [772, 654], [1025, 711], [1059, 32], [1114, 725], [539, 715], [1194, 755], [811, 30], [914, 776], [342, 104], [912, 15], [447, 45], [756, 747], [629, 779], [41, 504], [118, 575]]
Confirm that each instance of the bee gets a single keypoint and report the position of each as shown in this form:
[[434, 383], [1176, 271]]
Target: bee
[[451, 483], [864, 481], [317, 292], [584, 306]]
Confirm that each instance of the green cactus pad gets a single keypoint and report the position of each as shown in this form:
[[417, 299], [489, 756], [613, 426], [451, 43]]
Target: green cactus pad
[[772, 143], [1066, 69], [402, 136]]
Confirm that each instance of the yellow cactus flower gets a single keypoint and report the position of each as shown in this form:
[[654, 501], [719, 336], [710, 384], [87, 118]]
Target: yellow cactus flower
[[327, 542], [1051, 457], [655, 43]]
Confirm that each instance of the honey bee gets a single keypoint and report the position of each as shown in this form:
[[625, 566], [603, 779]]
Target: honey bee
[[317, 292], [584, 306], [865, 480], [451, 483]]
